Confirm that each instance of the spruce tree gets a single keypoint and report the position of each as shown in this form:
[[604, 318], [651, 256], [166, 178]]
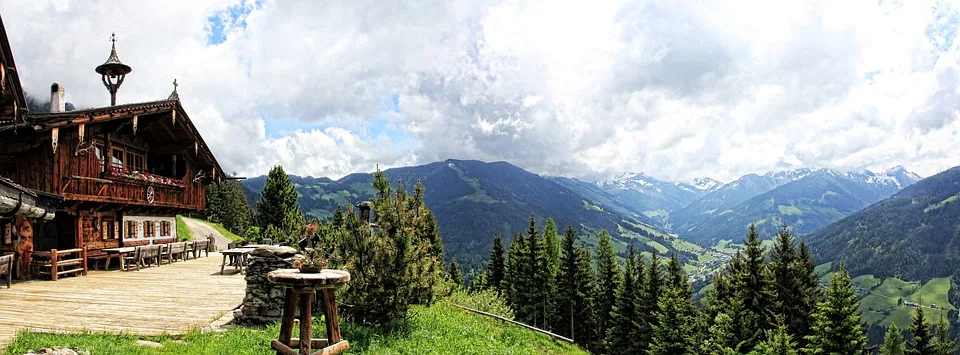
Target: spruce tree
[[516, 278], [810, 290], [673, 333], [836, 323], [496, 267], [607, 274], [574, 290], [542, 285], [778, 342], [453, 271], [753, 283], [583, 318], [922, 334], [278, 206], [551, 242], [943, 345], [650, 299], [620, 337], [893, 343], [791, 273]]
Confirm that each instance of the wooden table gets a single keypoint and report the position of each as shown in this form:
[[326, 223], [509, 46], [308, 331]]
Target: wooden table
[[119, 253], [301, 288], [239, 253]]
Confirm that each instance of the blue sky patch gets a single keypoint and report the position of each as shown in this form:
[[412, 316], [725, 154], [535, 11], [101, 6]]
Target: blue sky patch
[[229, 19]]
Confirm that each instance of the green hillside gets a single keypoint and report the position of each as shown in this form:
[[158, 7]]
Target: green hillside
[[472, 200], [914, 234]]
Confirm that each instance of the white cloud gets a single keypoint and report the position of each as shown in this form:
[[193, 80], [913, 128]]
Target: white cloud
[[586, 89]]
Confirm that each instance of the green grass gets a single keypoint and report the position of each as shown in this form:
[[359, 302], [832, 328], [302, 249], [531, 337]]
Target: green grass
[[880, 307], [228, 234], [438, 329], [789, 210], [182, 231], [940, 204], [659, 247], [866, 282], [823, 269]]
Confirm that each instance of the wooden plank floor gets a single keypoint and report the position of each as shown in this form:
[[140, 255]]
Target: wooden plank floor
[[167, 299]]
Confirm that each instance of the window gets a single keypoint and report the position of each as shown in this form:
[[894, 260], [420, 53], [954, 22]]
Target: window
[[107, 230], [117, 160], [135, 161], [149, 229], [101, 151], [131, 229], [165, 228]]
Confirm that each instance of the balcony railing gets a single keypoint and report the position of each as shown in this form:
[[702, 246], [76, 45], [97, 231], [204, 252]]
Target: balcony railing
[[143, 177]]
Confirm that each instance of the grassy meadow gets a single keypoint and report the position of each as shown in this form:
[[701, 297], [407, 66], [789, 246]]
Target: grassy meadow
[[437, 329]]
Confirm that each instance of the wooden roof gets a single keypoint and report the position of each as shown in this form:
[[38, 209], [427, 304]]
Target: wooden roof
[[13, 104], [123, 114]]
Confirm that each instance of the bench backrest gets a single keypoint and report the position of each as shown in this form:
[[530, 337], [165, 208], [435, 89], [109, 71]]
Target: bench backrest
[[5, 262], [231, 245], [149, 251], [178, 247], [201, 245]]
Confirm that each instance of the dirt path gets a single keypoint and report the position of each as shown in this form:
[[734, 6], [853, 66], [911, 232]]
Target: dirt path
[[201, 230]]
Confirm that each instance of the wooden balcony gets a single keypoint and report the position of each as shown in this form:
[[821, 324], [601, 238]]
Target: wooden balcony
[[109, 188]]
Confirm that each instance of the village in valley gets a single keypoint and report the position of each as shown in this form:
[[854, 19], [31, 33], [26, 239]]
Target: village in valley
[[126, 228]]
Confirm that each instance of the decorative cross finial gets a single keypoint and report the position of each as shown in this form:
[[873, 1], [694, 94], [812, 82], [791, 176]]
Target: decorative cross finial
[[113, 38], [174, 84]]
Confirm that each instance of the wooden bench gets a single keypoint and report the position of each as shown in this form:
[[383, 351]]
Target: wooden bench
[[60, 262], [200, 246], [177, 251], [6, 268], [143, 255]]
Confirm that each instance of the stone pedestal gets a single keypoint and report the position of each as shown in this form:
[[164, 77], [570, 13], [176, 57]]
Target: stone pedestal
[[263, 303]]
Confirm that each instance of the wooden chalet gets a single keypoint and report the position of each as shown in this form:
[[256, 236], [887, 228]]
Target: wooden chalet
[[124, 172]]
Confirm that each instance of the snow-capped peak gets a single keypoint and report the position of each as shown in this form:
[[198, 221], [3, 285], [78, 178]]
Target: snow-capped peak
[[706, 184]]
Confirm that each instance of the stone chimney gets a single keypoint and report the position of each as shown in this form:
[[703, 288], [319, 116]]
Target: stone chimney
[[57, 101]]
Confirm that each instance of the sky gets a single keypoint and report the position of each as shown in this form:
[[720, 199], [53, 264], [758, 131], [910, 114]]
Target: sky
[[584, 89]]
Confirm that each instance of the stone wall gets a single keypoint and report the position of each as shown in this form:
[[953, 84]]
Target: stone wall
[[263, 303]]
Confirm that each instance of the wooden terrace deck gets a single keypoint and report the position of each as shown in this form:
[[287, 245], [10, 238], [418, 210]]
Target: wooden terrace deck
[[167, 299]]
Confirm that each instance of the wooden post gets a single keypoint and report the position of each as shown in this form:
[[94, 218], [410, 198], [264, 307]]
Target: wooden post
[[84, 256], [330, 313], [53, 264], [306, 324], [289, 313]]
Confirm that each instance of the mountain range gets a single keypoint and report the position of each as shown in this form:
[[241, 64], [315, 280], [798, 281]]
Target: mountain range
[[472, 200], [805, 199], [915, 234]]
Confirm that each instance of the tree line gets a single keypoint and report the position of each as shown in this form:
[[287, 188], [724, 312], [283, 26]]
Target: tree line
[[761, 302]]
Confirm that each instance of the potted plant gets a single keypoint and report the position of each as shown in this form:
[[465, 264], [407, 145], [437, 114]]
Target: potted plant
[[311, 261]]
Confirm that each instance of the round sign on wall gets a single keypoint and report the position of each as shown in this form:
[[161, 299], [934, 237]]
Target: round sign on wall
[[150, 194]]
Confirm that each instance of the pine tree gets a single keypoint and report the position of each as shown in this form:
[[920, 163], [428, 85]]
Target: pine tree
[[790, 273], [943, 345], [480, 282], [810, 290], [607, 273], [516, 279], [718, 336], [673, 333], [584, 322], [390, 267], [836, 323], [922, 334], [753, 283], [649, 301], [453, 270], [540, 300], [551, 242], [624, 325], [893, 343], [496, 266], [777, 342], [278, 206]]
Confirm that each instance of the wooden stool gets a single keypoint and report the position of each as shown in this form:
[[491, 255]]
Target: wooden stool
[[300, 288]]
